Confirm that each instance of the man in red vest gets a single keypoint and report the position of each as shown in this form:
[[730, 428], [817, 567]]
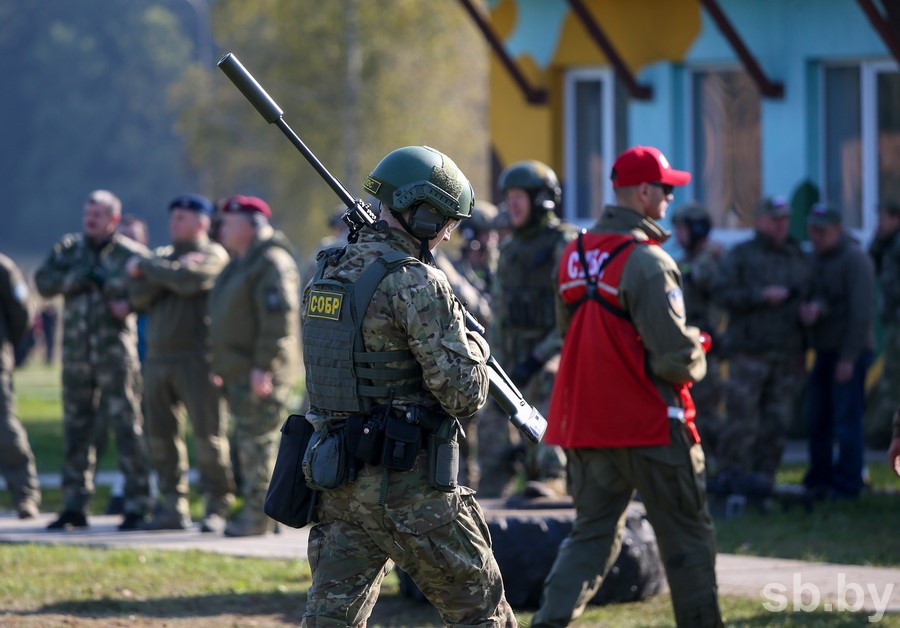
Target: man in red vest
[[621, 406]]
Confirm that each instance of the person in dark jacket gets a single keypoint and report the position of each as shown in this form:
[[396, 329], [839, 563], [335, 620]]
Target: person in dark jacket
[[839, 315]]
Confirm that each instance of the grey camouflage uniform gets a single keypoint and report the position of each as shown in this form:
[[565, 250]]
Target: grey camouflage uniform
[[764, 346], [440, 539], [101, 377]]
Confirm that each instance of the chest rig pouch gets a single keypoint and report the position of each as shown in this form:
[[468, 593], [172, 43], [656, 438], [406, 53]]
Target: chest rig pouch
[[340, 374]]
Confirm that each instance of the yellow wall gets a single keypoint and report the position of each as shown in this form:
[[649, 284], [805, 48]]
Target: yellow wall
[[642, 31]]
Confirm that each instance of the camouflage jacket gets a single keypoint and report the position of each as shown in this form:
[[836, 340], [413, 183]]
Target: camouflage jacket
[[15, 311], [414, 309], [174, 295], [844, 287], [755, 326], [524, 289], [885, 254], [253, 312], [89, 278], [699, 271]]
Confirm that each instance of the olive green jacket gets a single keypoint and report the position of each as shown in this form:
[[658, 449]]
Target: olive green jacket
[[174, 293], [650, 292], [254, 312]]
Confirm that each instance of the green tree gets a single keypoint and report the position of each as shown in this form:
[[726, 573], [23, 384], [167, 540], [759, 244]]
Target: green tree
[[86, 106], [355, 79]]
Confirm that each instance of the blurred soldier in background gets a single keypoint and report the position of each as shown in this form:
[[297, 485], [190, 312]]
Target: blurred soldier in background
[[761, 285], [16, 458], [173, 287], [885, 253], [840, 314], [699, 264], [480, 248], [100, 377], [523, 330], [254, 321]]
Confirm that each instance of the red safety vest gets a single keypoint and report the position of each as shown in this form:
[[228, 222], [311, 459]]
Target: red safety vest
[[603, 395]]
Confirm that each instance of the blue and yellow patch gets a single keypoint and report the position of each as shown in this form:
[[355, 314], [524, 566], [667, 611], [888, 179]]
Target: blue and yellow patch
[[323, 304]]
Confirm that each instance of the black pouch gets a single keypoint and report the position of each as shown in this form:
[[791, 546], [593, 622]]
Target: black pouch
[[289, 500], [443, 463], [402, 441], [371, 441]]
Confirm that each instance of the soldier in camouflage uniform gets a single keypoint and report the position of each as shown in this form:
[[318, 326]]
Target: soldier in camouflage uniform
[[430, 365], [523, 331], [173, 287], [16, 458], [699, 265], [885, 253], [253, 309], [100, 377], [761, 286]]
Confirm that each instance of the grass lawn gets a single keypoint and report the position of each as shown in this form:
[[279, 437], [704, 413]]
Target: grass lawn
[[83, 586]]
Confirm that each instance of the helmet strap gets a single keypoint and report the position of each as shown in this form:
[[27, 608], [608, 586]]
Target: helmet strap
[[424, 250]]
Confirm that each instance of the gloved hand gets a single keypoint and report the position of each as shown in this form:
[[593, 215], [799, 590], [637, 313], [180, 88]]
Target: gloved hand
[[525, 370]]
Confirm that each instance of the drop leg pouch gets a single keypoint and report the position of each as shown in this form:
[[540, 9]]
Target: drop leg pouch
[[289, 500]]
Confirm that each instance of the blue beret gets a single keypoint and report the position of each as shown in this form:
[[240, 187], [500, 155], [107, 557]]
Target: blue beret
[[194, 202]]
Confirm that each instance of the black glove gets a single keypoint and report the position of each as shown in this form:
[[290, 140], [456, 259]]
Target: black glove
[[525, 370]]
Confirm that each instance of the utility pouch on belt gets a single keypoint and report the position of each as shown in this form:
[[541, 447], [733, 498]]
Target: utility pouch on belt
[[325, 462], [443, 456], [371, 441], [289, 500], [402, 441]]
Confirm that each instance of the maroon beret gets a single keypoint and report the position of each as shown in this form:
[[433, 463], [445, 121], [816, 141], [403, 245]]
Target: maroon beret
[[246, 205]]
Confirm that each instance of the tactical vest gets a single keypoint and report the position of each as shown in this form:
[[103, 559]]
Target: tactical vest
[[526, 278], [341, 375]]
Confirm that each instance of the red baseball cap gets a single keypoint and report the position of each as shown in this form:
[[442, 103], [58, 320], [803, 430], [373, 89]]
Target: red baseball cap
[[645, 164], [246, 205]]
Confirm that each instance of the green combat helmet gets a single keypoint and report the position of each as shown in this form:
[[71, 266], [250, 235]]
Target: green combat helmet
[[416, 174], [537, 179], [696, 218]]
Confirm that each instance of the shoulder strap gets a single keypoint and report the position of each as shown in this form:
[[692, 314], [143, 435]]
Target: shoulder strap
[[591, 280]]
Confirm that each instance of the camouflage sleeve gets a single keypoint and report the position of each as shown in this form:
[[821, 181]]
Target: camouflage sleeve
[[63, 271], [185, 279], [452, 360], [16, 307], [733, 288], [861, 297], [276, 297], [551, 344], [705, 268], [651, 292]]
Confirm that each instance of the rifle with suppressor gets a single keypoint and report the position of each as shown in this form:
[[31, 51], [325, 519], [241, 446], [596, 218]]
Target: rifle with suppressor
[[360, 215]]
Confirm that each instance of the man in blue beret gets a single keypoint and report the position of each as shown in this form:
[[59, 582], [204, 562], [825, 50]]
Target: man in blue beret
[[172, 287]]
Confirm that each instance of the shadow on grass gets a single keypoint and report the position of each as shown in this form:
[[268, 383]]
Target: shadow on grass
[[390, 610]]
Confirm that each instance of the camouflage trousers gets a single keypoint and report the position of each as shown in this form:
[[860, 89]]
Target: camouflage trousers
[[505, 455], [95, 398], [384, 517], [172, 386], [759, 404], [255, 425], [16, 458], [671, 481]]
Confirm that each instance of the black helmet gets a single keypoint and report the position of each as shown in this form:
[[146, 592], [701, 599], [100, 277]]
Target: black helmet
[[536, 178], [696, 219]]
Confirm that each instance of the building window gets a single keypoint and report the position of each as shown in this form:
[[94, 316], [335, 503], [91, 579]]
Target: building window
[[595, 132], [861, 140], [725, 143]]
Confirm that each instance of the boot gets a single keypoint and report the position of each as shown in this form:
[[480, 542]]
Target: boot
[[167, 520], [69, 519], [249, 525]]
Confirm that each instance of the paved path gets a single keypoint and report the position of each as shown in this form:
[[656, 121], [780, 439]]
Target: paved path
[[774, 581]]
